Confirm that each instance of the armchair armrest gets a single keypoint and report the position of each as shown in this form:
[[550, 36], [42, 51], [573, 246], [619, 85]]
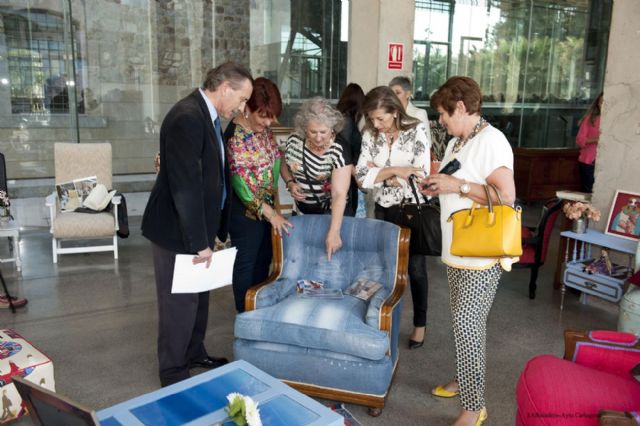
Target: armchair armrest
[[611, 351], [267, 291], [617, 418], [52, 203], [402, 277]]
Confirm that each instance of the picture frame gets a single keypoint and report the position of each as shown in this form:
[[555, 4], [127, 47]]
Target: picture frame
[[624, 216], [284, 201]]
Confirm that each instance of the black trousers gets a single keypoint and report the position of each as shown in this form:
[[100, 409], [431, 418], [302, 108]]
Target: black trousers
[[586, 176], [182, 322], [418, 280], [252, 238]]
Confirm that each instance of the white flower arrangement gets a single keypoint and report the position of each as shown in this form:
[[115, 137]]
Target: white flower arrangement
[[243, 410]]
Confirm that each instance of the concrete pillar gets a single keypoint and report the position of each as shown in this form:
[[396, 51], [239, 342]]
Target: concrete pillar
[[618, 156], [373, 25]]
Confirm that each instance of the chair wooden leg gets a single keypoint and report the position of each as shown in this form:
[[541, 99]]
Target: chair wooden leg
[[374, 411], [54, 246], [115, 246], [532, 282]]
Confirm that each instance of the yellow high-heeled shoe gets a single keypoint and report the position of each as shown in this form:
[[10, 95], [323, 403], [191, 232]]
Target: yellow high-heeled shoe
[[441, 392], [482, 417]]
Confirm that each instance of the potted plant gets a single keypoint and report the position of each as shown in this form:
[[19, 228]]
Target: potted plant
[[580, 213]]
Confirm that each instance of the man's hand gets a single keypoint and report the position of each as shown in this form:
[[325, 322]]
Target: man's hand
[[203, 256]]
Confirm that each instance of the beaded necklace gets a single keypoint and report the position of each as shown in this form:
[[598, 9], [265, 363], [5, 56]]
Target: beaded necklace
[[460, 143]]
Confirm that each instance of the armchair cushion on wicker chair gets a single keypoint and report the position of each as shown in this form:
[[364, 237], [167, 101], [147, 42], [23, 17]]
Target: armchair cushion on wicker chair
[[343, 349], [75, 161], [594, 375]]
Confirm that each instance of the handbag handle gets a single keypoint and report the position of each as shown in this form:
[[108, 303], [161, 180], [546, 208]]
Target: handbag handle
[[412, 184], [495, 189], [492, 217]]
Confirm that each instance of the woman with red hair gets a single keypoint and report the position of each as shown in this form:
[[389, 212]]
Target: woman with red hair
[[255, 162]]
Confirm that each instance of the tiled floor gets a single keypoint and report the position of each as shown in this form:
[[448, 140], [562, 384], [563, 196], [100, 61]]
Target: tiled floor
[[96, 319]]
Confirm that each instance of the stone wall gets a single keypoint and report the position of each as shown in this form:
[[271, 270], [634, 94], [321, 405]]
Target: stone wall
[[232, 32], [619, 148]]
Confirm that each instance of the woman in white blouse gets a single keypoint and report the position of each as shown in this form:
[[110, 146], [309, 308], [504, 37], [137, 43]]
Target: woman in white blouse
[[396, 146], [486, 158]]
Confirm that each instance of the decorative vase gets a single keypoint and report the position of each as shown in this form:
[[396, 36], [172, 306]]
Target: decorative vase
[[580, 225]]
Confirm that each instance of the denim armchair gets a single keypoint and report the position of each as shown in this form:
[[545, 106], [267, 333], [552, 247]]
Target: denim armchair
[[340, 349]]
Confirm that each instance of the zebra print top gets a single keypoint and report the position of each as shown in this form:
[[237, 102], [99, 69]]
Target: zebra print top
[[313, 172]]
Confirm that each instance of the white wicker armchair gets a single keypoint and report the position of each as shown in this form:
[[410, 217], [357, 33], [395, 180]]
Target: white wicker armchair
[[74, 161]]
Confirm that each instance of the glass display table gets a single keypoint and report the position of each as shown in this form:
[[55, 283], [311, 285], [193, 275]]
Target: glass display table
[[201, 400]]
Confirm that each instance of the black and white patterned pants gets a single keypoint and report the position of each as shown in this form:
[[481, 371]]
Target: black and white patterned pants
[[471, 296]]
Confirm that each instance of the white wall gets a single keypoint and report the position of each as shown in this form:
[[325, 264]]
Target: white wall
[[373, 25]]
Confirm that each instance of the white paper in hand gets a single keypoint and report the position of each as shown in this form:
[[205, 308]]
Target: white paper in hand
[[190, 278]]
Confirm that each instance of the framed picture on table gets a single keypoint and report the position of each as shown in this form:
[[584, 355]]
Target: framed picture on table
[[624, 216], [284, 202]]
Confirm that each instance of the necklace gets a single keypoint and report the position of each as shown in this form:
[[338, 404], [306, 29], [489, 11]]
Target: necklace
[[460, 143], [319, 149], [392, 136]]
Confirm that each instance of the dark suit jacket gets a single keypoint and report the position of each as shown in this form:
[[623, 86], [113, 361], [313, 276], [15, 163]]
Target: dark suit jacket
[[184, 213]]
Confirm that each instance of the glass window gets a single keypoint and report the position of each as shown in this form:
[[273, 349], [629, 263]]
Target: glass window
[[88, 72], [540, 63]]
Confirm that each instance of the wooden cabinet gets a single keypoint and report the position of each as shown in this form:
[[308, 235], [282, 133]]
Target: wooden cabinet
[[540, 172]]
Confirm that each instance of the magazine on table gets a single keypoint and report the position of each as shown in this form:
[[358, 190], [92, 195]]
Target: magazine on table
[[363, 288], [314, 288], [72, 194]]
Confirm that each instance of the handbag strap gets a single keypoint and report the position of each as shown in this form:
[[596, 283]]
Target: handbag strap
[[412, 184], [306, 174]]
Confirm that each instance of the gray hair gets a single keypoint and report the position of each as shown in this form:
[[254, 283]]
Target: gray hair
[[401, 81], [232, 72], [318, 109]]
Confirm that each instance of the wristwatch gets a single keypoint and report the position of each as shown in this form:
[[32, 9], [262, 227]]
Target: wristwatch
[[464, 189]]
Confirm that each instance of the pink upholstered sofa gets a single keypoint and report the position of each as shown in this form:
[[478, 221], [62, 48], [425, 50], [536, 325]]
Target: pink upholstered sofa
[[595, 375]]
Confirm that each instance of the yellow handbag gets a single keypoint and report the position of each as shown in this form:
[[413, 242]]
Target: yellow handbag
[[492, 231]]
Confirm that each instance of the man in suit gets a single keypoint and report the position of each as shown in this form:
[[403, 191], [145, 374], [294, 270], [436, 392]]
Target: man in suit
[[187, 208]]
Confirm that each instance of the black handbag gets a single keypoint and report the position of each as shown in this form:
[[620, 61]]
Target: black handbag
[[424, 222]]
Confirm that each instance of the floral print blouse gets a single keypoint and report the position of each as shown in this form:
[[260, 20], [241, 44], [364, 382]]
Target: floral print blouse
[[412, 149], [254, 160]]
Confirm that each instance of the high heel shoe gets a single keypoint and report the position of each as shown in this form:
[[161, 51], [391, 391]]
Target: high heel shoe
[[441, 392], [413, 344], [482, 417]]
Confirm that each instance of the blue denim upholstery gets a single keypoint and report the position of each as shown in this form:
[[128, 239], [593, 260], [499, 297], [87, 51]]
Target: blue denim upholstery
[[331, 343]]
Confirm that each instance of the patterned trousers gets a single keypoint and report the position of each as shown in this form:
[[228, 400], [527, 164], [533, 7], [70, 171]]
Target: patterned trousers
[[471, 296]]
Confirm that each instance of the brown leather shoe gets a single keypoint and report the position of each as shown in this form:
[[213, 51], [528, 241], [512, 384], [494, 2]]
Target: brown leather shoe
[[17, 302]]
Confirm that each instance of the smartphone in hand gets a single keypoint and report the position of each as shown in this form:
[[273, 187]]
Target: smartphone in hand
[[450, 168]]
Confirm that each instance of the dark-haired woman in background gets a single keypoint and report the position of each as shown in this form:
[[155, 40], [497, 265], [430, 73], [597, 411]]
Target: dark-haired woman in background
[[587, 139], [255, 163], [349, 105], [396, 146]]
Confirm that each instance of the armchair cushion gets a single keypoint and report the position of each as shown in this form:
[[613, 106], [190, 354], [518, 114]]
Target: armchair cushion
[[335, 325], [81, 225], [554, 391]]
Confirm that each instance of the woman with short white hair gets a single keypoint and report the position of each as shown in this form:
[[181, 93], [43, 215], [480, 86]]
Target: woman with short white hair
[[321, 166]]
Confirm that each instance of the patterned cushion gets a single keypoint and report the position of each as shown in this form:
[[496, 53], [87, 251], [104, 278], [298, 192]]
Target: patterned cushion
[[79, 160], [336, 325], [83, 225]]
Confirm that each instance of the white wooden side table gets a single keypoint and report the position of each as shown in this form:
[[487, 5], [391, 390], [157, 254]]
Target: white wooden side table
[[11, 229], [578, 253]]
